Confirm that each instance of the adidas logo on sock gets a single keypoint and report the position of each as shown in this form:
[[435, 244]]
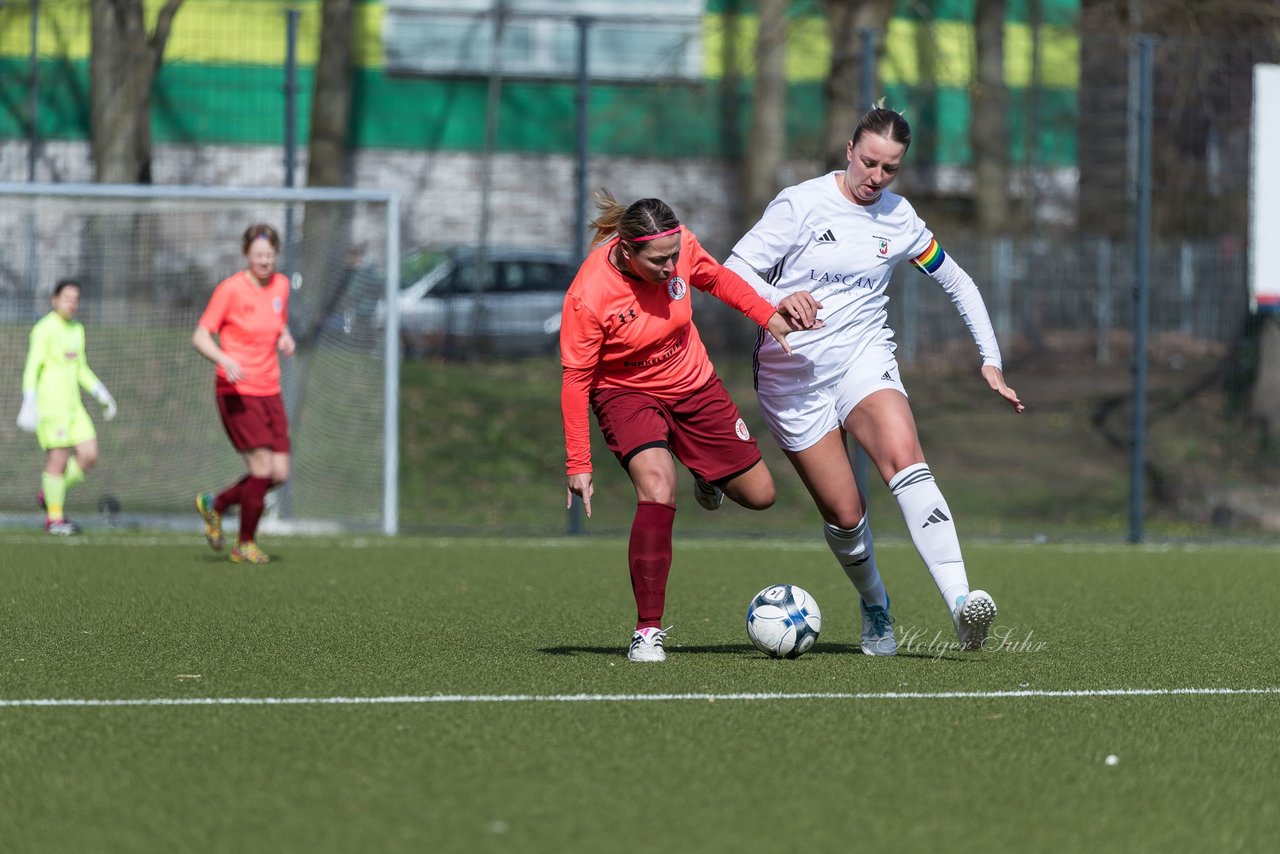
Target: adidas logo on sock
[[936, 516], [826, 237]]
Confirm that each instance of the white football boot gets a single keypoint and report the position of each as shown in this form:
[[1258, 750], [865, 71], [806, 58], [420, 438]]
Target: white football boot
[[973, 615], [646, 644]]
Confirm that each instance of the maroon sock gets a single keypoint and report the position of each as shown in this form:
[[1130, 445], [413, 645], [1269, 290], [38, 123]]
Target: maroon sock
[[230, 496], [649, 554], [252, 499]]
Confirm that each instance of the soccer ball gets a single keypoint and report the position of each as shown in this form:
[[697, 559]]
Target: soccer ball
[[783, 621]]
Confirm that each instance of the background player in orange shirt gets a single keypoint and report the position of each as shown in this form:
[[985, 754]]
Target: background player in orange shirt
[[631, 353], [249, 312]]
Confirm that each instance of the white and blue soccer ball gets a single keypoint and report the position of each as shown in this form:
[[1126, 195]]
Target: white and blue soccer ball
[[783, 621]]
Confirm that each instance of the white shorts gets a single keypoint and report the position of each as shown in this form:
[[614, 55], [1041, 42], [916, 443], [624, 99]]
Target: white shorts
[[798, 421]]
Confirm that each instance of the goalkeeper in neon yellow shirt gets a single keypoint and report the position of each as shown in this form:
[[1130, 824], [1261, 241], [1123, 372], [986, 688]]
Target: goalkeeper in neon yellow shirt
[[56, 370]]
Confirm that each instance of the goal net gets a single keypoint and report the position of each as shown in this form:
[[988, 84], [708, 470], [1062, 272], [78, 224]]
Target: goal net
[[148, 259]]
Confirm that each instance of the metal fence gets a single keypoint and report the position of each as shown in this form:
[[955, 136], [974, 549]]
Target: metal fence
[[221, 108], [480, 155]]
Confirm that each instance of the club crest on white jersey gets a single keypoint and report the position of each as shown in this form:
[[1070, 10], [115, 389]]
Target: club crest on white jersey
[[882, 246], [677, 288]]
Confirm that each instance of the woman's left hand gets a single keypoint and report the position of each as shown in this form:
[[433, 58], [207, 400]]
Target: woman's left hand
[[995, 378], [802, 309]]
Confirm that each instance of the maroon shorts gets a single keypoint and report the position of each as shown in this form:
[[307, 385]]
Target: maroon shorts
[[704, 431], [255, 422]]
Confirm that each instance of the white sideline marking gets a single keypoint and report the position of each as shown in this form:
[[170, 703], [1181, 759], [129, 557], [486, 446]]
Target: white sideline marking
[[630, 698], [789, 543]]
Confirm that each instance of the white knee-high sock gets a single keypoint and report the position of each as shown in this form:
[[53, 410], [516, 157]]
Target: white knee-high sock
[[854, 548], [929, 520]]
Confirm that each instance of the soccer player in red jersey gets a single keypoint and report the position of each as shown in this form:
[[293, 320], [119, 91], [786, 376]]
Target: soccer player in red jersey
[[631, 354], [249, 312]]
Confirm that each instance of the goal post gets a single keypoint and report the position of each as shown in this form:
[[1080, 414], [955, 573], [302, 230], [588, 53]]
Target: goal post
[[148, 258]]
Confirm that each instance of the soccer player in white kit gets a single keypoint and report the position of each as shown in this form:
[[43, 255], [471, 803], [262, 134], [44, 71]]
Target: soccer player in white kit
[[829, 246]]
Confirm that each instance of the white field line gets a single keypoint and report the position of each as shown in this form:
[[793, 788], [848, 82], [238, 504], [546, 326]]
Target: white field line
[[630, 698], [789, 544]]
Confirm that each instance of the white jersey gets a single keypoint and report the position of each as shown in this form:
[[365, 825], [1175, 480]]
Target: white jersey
[[812, 238]]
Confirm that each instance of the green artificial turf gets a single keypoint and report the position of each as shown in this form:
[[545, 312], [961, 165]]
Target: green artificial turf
[[500, 714]]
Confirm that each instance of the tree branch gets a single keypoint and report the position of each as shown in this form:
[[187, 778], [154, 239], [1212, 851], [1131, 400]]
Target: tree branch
[[160, 35]]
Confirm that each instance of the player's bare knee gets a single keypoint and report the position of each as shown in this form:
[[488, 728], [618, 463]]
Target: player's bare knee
[[658, 495], [760, 498], [653, 485], [897, 462]]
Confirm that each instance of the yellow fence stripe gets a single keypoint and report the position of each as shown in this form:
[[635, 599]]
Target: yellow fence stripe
[[949, 60], [226, 32], [213, 32]]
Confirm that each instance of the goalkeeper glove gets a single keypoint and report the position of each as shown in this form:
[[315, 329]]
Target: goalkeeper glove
[[108, 402], [28, 417]]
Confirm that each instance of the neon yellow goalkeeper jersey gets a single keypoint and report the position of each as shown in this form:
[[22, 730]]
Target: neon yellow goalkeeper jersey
[[56, 366]]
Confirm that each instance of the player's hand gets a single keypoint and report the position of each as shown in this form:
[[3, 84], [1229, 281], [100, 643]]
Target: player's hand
[[109, 408], [995, 378], [28, 416], [802, 309], [234, 372], [780, 327], [581, 486], [286, 344], [108, 402]]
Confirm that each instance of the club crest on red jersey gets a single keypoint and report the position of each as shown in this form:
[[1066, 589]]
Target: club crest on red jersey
[[741, 429], [277, 305], [677, 287]]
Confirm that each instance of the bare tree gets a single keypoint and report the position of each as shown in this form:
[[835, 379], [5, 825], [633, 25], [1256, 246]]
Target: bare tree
[[123, 64], [731, 22], [988, 122], [846, 19], [767, 138], [331, 104], [328, 165]]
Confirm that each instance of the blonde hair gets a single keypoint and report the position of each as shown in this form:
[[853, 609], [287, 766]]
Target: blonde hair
[[640, 219]]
